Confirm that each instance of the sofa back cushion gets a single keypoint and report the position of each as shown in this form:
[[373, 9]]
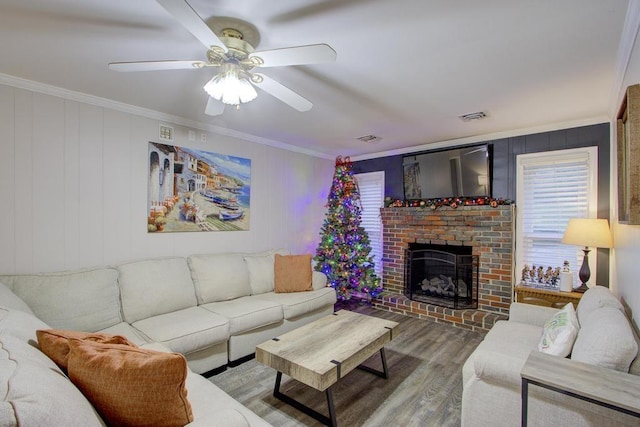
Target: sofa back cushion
[[12, 301], [219, 277], [606, 339], [155, 286], [261, 270], [595, 298], [21, 325], [83, 300]]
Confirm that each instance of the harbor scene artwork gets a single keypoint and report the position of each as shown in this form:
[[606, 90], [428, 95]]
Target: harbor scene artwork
[[194, 190]]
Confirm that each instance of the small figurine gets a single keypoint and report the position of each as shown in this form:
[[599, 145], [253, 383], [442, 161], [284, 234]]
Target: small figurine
[[565, 267], [525, 272]]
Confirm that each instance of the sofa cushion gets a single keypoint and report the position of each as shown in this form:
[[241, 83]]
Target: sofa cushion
[[82, 300], [219, 277], [130, 386], [511, 338], [295, 304], [35, 392], [10, 300], [213, 407], [512, 341], [595, 298], [155, 286], [247, 313], [128, 331], [55, 342], [605, 339], [559, 332], [260, 273], [292, 273], [187, 330]]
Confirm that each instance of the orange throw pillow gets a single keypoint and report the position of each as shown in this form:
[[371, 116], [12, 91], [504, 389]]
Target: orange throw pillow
[[292, 273], [55, 342], [130, 386]]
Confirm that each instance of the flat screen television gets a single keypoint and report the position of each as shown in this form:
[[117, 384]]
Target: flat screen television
[[459, 172]]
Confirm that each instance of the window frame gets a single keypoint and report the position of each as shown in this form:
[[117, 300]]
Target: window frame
[[381, 176], [550, 158]]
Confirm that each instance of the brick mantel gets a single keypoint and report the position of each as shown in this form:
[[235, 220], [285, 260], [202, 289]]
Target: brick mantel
[[488, 230]]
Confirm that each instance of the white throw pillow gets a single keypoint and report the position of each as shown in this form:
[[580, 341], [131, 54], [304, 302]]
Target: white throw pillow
[[260, 273], [560, 332]]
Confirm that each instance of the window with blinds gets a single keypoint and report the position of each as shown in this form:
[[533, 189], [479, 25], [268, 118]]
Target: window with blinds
[[553, 187], [371, 186]]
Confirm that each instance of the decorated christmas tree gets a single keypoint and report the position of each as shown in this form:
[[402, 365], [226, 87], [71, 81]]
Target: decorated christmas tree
[[344, 250]]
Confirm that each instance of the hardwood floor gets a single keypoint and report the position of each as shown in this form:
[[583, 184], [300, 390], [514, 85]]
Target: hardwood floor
[[424, 389]]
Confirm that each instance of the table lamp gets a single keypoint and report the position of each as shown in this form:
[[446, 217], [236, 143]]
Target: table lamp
[[587, 232]]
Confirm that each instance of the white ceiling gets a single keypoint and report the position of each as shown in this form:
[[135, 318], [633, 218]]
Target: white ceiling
[[405, 68]]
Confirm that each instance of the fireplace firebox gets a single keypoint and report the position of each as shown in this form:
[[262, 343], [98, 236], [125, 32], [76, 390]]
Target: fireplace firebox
[[443, 275]]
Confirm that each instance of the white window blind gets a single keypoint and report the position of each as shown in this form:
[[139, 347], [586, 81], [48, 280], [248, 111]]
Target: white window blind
[[371, 186], [553, 187]]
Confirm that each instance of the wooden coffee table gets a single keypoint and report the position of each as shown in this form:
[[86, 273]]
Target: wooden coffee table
[[320, 353]]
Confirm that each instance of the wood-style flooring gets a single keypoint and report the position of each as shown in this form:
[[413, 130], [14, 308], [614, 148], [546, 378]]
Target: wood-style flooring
[[424, 389]]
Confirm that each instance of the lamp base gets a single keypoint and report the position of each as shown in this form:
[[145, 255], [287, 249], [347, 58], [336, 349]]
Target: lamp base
[[584, 273], [582, 288]]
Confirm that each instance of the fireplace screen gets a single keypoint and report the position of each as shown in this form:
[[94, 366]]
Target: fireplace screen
[[441, 275]]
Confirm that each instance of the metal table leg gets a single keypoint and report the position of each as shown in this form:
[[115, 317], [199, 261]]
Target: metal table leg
[[329, 421], [385, 371], [525, 402]]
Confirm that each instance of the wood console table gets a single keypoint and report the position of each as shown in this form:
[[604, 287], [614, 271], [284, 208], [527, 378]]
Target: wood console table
[[605, 387], [546, 297]]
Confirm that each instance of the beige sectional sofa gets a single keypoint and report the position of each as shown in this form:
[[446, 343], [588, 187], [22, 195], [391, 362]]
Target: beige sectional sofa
[[213, 309], [491, 375]]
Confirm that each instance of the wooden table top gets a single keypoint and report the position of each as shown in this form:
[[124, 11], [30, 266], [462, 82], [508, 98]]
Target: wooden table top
[[309, 353], [604, 385]]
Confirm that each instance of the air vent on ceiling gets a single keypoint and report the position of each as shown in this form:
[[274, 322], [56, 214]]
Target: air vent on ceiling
[[369, 138], [473, 116]]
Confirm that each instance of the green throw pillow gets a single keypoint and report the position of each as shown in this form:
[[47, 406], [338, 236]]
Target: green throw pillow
[[560, 332]]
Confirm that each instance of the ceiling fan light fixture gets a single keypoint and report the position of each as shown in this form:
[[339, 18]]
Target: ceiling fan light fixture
[[230, 86]]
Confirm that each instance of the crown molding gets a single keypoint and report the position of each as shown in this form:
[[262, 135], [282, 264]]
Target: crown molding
[[625, 50], [71, 95], [486, 137]]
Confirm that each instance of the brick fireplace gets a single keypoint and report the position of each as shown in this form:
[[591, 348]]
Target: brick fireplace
[[489, 232]]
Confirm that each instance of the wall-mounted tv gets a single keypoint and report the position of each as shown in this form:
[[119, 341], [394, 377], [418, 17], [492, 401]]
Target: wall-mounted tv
[[459, 172]]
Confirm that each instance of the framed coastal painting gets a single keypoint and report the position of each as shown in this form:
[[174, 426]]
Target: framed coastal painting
[[194, 190], [628, 156]]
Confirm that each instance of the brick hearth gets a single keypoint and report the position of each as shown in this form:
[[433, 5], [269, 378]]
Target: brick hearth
[[489, 231]]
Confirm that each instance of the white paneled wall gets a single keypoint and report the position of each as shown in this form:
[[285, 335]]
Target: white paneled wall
[[73, 188]]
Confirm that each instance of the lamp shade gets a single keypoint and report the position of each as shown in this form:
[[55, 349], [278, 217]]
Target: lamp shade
[[591, 232]]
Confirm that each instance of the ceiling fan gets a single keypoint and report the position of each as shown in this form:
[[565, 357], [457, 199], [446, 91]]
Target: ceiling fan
[[232, 52]]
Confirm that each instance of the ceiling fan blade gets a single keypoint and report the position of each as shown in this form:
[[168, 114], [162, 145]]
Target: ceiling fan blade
[[283, 93], [188, 17], [155, 65], [214, 107], [298, 55]]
